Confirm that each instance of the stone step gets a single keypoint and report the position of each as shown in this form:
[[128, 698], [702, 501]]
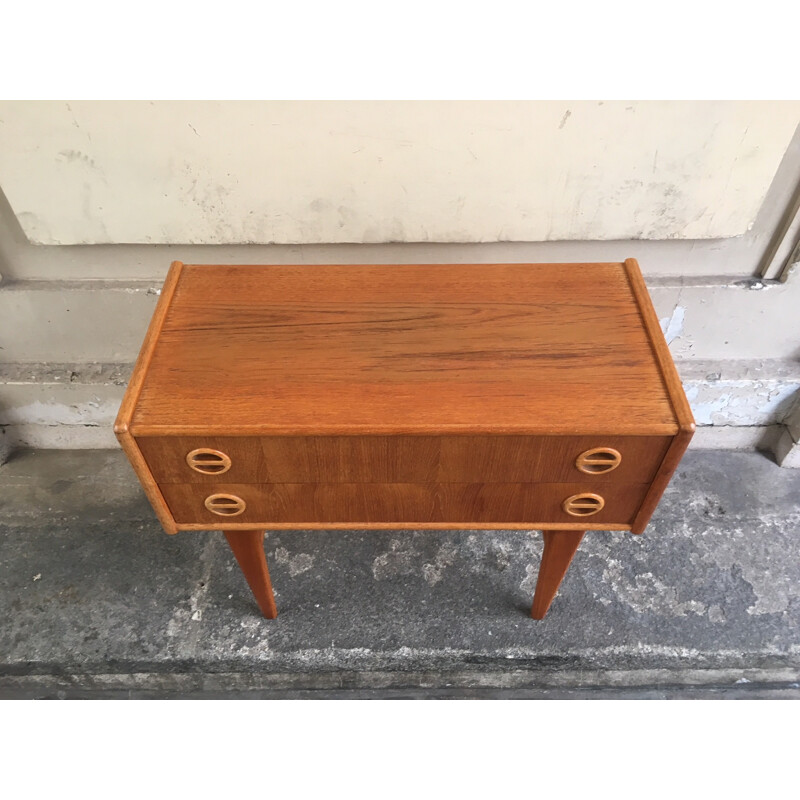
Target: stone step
[[737, 404], [61, 405]]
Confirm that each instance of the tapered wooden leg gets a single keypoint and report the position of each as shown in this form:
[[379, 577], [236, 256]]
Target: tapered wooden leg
[[559, 548], [248, 547]]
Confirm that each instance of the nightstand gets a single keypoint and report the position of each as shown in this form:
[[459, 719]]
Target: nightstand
[[527, 396]]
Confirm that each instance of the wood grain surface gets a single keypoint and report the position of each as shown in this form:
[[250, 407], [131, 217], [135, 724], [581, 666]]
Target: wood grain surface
[[248, 548], [663, 476], [559, 550], [672, 381], [399, 503], [403, 459], [404, 349], [669, 373]]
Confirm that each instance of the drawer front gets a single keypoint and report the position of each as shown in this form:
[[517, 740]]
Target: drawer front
[[459, 503], [404, 459]]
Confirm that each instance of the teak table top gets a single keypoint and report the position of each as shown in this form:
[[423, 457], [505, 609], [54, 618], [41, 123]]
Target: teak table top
[[405, 349]]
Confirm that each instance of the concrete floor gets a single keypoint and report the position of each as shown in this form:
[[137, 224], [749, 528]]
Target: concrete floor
[[101, 603]]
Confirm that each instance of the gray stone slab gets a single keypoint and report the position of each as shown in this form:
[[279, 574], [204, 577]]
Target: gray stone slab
[[102, 602]]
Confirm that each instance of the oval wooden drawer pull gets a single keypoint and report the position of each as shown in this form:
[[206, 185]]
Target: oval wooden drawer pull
[[598, 460], [208, 461], [225, 505], [583, 505]]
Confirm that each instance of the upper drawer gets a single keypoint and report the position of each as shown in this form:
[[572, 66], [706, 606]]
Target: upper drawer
[[403, 459]]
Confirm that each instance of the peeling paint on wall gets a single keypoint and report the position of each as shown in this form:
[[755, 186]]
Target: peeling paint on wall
[[741, 402], [673, 326]]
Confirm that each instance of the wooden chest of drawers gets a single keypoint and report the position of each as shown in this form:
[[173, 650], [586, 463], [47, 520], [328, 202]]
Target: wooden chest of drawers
[[531, 396]]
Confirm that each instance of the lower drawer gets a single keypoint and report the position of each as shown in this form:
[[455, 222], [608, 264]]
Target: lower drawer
[[216, 504]]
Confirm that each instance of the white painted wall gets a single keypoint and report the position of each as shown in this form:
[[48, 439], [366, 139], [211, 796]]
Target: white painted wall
[[328, 172]]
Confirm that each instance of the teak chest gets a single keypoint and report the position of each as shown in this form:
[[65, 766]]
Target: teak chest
[[529, 396]]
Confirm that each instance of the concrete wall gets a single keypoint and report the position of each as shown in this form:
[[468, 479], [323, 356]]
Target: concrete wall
[[314, 172], [72, 317]]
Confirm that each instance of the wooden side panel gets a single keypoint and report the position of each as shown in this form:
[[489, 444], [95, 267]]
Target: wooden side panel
[[145, 356], [122, 423], [669, 373], [404, 459], [677, 396], [151, 489], [662, 479], [462, 503]]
